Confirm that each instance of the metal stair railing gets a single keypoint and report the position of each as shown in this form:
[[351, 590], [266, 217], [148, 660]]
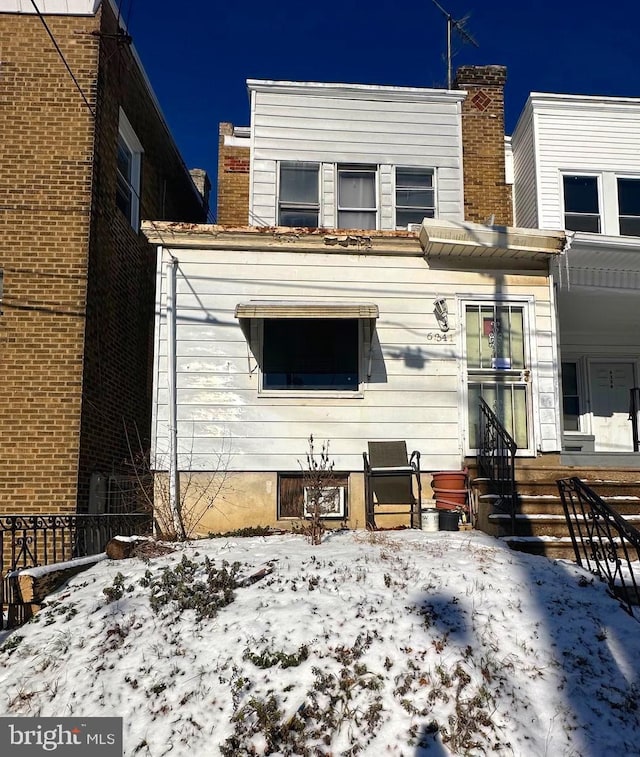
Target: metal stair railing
[[496, 460], [634, 416], [603, 541]]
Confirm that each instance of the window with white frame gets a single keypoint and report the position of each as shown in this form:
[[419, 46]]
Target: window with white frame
[[129, 162], [357, 197], [629, 206], [311, 354], [415, 196], [570, 396], [298, 203], [581, 203]]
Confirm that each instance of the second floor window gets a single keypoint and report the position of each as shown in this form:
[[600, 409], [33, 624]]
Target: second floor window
[[415, 198], [581, 204], [128, 168], [357, 205], [298, 197], [629, 207]]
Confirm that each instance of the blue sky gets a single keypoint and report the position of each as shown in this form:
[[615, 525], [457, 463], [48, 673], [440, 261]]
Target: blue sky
[[198, 54]]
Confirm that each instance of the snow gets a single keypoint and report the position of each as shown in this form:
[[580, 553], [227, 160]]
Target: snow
[[43, 570], [391, 643]]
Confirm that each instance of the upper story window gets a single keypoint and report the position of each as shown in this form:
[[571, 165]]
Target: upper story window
[[298, 196], [129, 161], [415, 196], [357, 192], [581, 203], [629, 207]]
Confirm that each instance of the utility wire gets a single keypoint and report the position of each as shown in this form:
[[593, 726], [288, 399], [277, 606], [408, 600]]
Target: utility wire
[[64, 60], [90, 107]]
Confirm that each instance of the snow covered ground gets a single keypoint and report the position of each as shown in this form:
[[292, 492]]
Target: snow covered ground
[[392, 643]]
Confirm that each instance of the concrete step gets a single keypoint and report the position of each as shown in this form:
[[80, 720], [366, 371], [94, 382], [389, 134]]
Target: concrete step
[[540, 524], [547, 546]]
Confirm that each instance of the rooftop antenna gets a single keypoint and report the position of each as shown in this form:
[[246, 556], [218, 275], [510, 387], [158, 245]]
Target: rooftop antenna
[[458, 25]]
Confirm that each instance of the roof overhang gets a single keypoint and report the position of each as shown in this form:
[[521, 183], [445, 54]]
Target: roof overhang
[[505, 244], [596, 261], [296, 309]]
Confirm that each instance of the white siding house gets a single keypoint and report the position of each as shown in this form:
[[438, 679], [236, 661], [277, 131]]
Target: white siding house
[[400, 373], [577, 167], [338, 126]]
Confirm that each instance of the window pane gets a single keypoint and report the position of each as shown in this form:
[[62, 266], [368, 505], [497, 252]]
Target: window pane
[[311, 354], [353, 219], [125, 159], [299, 217], [629, 197], [405, 217], [417, 178], [414, 198], [570, 400], [582, 223], [356, 188], [299, 183], [630, 227], [581, 194]]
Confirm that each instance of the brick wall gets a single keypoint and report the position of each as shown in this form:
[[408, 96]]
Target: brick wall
[[45, 185], [75, 329], [233, 181], [485, 190]]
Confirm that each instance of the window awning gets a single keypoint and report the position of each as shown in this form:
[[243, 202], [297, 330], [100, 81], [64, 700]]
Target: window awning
[[293, 309]]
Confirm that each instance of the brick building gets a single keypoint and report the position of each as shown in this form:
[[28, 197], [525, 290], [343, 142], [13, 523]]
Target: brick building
[[81, 162]]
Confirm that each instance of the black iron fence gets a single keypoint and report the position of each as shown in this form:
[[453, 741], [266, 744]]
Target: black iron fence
[[634, 416], [27, 541], [497, 461], [603, 541]]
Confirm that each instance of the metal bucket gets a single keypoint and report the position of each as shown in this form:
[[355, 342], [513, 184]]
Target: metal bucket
[[429, 519]]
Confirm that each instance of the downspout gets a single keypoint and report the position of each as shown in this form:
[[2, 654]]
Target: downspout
[[174, 474]]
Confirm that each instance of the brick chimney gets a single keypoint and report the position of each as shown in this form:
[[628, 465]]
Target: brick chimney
[[486, 193], [233, 176]]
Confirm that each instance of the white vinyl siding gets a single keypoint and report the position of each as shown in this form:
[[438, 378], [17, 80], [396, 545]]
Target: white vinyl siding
[[411, 381], [525, 185], [579, 135], [355, 127]]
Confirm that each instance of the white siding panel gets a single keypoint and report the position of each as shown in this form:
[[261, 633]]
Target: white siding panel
[[415, 387], [588, 139], [331, 129], [524, 166]]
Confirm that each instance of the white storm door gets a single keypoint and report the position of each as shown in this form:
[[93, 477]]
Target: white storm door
[[610, 383], [498, 368]]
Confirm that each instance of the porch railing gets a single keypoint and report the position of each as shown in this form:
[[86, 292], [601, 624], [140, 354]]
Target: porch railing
[[634, 416], [497, 461], [27, 541], [603, 541]]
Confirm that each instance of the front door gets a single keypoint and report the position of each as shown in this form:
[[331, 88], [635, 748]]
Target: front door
[[610, 383], [498, 368]]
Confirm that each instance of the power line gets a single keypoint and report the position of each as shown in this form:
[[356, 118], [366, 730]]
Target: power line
[[88, 104]]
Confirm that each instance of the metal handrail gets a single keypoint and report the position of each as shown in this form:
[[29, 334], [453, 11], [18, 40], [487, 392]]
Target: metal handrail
[[634, 416], [603, 541], [27, 541], [496, 460]]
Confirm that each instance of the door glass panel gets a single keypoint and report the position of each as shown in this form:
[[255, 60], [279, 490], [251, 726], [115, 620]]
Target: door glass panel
[[496, 363]]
